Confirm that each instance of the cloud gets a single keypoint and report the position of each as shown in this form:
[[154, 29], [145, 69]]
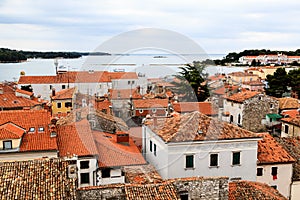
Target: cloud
[[218, 26]]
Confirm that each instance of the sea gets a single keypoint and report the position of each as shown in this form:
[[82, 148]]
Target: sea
[[150, 65]]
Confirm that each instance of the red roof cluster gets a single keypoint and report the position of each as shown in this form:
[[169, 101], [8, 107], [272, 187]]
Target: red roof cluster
[[242, 96], [196, 127], [125, 94], [10, 100], [38, 139], [78, 77], [150, 103], [270, 152], [11, 131], [203, 107], [64, 94], [252, 190]]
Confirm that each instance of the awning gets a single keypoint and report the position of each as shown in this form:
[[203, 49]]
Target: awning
[[274, 116]]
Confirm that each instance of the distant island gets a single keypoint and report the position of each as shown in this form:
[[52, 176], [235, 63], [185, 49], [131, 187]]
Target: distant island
[[13, 56], [234, 57]]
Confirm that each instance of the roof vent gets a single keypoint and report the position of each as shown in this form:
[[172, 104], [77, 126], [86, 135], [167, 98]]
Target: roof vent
[[199, 132]]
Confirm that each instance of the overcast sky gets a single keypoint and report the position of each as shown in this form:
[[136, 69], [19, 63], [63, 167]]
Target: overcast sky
[[218, 26]]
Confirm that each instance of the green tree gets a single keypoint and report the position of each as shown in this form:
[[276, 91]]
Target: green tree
[[277, 83], [191, 84], [294, 78]]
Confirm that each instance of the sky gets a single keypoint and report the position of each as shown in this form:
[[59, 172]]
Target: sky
[[218, 26]]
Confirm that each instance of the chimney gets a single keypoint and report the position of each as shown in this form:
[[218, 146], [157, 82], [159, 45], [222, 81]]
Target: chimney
[[1, 90], [53, 92], [122, 137], [78, 116]]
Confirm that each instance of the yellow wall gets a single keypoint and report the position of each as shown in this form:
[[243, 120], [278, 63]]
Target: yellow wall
[[63, 109], [14, 142]]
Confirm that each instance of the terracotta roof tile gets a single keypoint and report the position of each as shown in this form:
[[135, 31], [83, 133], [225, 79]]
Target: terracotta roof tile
[[196, 127], [37, 179], [288, 103], [78, 77], [292, 118], [11, 131], [161, 191], [241, 74], [150, 103], [269, 151], [254, 83], [141, 174], [253, 190], [242, 96], [216, 77], [10, 100], [224, 89], [203, 107], [124, 94], [64, 94], [24, 92], [35, 141], [292, 146], [113, 154], [76, 139]]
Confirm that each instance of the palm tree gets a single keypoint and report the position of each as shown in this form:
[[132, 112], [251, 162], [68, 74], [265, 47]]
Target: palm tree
[[191, 83]]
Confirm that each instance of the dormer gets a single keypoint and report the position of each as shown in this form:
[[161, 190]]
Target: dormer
[[10, 137]]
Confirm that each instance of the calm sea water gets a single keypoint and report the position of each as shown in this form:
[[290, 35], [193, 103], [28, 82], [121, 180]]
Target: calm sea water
[[150, 65]]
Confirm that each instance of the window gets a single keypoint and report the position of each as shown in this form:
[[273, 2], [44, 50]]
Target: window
[[271, 106], [231, 119], [68, 104], [274, 171], [286, 129], [85, 178], [31, 129], [189, 161], [154, 110], [63, 87], [84, 164], [184, 195], [236, 156], [260, 98], [214, 160], [239, 119], [154, 147], [132, 82], [150, 146], [59, 105], [128, 82], [274, 186], [141, 110], [7, 144], [104, 111], [41, 129], [50, 87], [259, 171], [105, 173]]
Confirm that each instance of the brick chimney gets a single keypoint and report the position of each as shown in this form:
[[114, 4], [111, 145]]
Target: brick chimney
[[122, 137]]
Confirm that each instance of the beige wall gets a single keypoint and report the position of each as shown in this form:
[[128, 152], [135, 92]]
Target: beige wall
[[19, 156], [284, 177], [295, 191], [14, 142], [294, 131]]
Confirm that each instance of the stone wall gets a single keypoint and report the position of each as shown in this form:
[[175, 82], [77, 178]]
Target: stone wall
[[116, 192], [255, 110], [197, 188], [202, 188]]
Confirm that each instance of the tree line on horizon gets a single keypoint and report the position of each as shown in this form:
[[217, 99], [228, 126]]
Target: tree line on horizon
[[9, 55]]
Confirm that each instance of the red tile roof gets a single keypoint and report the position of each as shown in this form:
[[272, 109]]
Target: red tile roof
[[113, 154], [124, 94], [35, 141], [216, 77], [242, 96], [10, 101], [288, 103], [292, 146], [64, 94], [270, 152], [254, 83], [78, 77], [142, 174], [11, 131], [105, 104], [197, 127], [293, 117], [222, 90], [252, 191], [161, 191], [241, 74], [36, 179], [24, 92], [76, 139], [150, 103], [203, 107]]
